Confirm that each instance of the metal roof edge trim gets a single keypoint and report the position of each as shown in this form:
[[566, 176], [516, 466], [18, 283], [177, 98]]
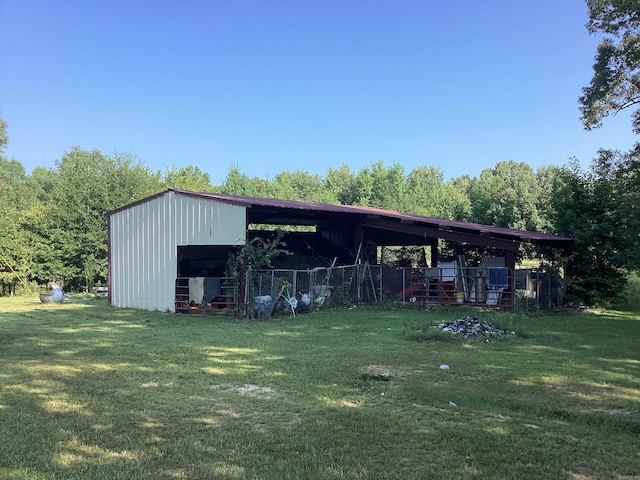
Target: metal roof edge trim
[[136, 203], [213, 196], [440, 223]]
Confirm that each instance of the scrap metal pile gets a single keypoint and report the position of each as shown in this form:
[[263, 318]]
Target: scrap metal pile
[[471, 327]]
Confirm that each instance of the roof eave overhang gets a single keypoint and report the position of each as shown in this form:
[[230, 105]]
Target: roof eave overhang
[[426, 231], [288, 212]]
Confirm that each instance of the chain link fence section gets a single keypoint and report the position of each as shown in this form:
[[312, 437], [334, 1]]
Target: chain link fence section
[[290, 292], [277, 292], [273, 292]]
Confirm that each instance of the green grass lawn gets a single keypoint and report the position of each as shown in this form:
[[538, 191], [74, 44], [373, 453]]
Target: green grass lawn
[[93, 392]]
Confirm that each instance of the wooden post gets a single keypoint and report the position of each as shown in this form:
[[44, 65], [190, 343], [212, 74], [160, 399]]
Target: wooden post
[[433, 243], [358, 241], [510, 263]]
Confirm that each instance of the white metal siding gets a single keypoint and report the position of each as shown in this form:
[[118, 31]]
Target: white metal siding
[[206, 222], [144, 241]]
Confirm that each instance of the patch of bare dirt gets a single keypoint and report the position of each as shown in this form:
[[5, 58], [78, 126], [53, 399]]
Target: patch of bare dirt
[[384, 373], [246, 390], [251, 390]]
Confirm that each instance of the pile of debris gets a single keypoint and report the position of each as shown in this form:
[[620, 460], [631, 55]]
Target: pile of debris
[[471, 327]]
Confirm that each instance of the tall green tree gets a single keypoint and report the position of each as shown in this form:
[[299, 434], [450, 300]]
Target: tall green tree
[[628, 180], [303, 186], [506, 196], [388, 185], [341, 183], [380, 186], [363, 187], [87, 185], [238, 183], [187, 178], [615, 85], [461, 188], [587, 208], [427, 193], [621, 172], [546, 181], [16, 198]]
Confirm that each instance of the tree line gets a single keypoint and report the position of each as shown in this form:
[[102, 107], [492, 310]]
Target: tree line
[[53, 226]]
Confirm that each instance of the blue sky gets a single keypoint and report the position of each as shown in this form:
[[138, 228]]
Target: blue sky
[[300, 85]]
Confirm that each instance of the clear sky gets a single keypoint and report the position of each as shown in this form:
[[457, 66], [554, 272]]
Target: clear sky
[[274, 85]]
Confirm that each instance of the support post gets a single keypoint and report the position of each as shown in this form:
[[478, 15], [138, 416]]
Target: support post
[[359, 241], [433, 243], [510, 263]]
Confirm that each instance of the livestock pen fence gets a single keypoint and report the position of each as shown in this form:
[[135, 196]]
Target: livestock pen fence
[[540, 288], [284, 291]]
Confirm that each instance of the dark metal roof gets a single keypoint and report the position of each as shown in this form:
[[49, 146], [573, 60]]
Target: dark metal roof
[[275, 211]]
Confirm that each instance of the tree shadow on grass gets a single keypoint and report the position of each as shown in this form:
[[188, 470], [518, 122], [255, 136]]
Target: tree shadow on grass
[[98, 393]]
